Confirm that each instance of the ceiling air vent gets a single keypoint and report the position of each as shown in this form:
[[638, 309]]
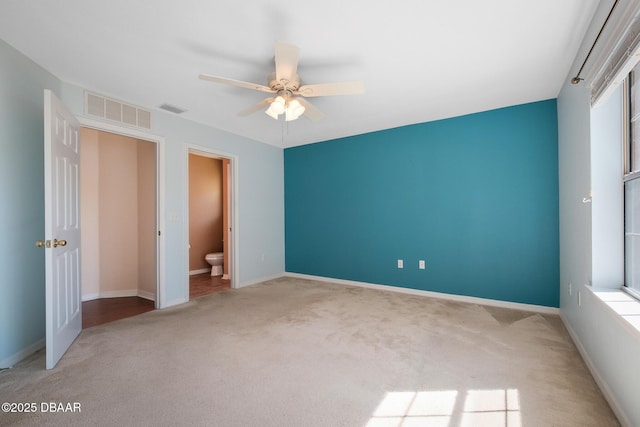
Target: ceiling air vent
[[116, 111], [172, 109]]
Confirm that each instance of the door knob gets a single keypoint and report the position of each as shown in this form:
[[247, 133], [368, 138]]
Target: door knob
[[43, 243], [57, 243]]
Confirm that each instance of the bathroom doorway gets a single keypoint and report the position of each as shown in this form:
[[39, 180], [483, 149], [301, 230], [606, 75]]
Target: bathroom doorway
[[119, 225], [209, 189]]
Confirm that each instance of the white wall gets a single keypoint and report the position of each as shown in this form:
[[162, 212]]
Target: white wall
[[574, 159], [260, 204], [22, 82], [591, 235], [607, 206]]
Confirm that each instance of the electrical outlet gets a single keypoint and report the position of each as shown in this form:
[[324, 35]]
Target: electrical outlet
[[421, 264], [400, 263]]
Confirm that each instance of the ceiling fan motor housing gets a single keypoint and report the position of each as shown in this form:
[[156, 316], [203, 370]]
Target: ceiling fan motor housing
[[283, 84]]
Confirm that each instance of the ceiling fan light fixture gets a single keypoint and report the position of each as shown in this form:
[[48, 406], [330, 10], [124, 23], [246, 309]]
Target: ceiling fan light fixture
[[294, 110], [278, 105], [276, 108], [271, 114]]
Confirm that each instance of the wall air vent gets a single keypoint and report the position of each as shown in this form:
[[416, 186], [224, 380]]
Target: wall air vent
[[116, 111]]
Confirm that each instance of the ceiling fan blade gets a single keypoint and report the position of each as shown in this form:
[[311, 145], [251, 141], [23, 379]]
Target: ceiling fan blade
[[311, 112], [256, 107], [237, 83], [286, 58], [332, 89]]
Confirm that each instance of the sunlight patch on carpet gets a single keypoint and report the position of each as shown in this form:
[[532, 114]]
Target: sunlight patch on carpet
[[496, 408]]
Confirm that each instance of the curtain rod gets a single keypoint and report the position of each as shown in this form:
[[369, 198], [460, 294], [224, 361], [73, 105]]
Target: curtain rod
[[577, 78]]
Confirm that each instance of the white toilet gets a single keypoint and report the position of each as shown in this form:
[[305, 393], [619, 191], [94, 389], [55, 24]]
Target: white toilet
[[216, 260]]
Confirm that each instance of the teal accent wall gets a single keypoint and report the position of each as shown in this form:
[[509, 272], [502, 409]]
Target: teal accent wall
[[475, 196]]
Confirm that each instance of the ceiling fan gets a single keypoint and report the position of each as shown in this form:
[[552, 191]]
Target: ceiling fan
[[284, 83]]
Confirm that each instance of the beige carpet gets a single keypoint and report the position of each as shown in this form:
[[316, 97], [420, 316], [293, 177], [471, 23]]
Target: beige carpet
[[291, 352]]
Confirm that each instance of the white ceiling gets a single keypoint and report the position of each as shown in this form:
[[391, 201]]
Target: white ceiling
[[420, 60]]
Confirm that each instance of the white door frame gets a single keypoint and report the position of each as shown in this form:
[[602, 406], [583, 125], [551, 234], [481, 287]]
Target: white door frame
[[160, 191], [234, 265]]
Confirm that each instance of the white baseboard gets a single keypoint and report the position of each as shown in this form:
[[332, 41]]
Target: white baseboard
[[151, 296], [119, 294], [460, 298], [260, 280], [22, 354], [201, 271], [595, 373], [90, 297]]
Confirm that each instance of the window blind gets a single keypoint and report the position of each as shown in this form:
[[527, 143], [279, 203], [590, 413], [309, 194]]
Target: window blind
[[618, 57]]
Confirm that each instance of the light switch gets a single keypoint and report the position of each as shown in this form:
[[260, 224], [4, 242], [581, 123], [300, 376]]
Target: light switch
[[421, 264], [400, 263]]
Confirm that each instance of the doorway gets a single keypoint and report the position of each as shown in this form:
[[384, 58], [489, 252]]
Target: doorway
[[209, 215], [119, 210]]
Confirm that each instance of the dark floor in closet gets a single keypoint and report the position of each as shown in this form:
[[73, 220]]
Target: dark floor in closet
[[105, 310]]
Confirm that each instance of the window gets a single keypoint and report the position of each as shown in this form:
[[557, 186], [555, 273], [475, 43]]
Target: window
[[632, 184]]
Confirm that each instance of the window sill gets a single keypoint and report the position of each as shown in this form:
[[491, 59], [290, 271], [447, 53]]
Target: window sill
[[624, 307]]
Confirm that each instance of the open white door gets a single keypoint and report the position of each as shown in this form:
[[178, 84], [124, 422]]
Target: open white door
[[62, 227]]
